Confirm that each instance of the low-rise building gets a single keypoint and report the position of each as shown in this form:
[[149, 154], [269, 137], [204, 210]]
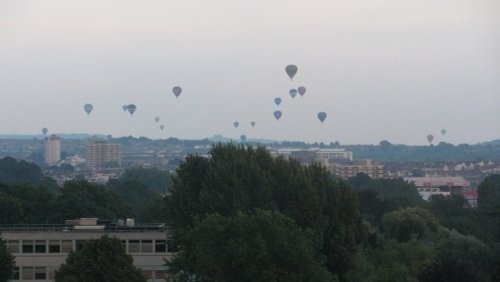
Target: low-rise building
[[428, 186], [346, 170], [40, 250]]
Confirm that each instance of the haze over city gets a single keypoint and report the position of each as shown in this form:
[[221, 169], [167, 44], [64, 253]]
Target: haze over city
[[396, 72]]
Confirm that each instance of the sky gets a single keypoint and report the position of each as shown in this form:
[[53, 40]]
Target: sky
[[382, 70]]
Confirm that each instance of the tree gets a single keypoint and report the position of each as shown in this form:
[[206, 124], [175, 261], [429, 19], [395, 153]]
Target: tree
[[460, 258], [392, 261], [7, 263], [26, 204], [134, 194], [379, 196], [84, 199], [14, 172], [238, 178], [154, 180], [261, 247], [488, 199], [409, 223], [102, 260]]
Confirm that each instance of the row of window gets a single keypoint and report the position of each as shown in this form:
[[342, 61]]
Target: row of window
[[33, 273], [66, 246], [44, 273]]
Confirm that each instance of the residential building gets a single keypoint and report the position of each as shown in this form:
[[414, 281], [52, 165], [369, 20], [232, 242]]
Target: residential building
[[351, 169], [102, 155], [52, 150]]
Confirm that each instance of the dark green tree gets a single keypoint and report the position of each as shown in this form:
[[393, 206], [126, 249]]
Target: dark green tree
[[134, 194], [19, 172], [261, 247], [392, 261], [153, 179], [7, 263], [26, 204], [102, 260], [409, 223], [84, 199], [488, 199], [460, 258], [237, 178]]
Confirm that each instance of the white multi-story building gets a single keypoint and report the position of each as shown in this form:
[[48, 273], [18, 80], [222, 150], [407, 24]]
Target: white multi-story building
[[52, 150]]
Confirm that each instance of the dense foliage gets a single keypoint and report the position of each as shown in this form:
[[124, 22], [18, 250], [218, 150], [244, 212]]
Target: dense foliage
[[260, 247], [102, 260], [7, 263], [142, 189], [243, 179]]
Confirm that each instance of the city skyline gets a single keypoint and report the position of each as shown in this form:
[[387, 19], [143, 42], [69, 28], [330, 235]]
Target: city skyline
[[397, 72]]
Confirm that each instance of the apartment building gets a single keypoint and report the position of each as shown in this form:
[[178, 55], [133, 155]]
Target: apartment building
[[103, 155], [52, 150]]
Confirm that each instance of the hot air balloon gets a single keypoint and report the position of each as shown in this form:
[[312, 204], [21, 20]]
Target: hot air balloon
[[243, 138], [162, 127], [302, 90], [277, 101], [293, 92], [253, 123], [443, 132], [291, 70], [430, 137], [88, 108], [125, 108], [177, 90], [277, 115], [236, 124], [44, 131], [157, 119], [131, 109], [322, 116]]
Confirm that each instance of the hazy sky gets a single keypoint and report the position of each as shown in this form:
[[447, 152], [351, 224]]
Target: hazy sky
[[391, 69]]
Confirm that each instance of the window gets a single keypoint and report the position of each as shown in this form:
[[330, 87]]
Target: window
[[40, 246], [134, 246], [147, 246], [27, 273], [124, 244], [54, 246], [13, 246], [66, 246], [40, 273], [160, 246], [27, 247]]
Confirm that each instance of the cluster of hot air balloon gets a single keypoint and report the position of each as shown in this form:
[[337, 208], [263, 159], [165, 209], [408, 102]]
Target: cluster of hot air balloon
[[430, 137], [130, 108], [291, 71]]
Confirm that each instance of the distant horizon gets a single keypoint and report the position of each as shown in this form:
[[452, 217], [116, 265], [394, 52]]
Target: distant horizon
[[250, 139]]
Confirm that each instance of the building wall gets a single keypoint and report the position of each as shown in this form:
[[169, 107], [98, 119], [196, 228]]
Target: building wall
[[44, 252], [52, 150], [100, 154], [362, 166]]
